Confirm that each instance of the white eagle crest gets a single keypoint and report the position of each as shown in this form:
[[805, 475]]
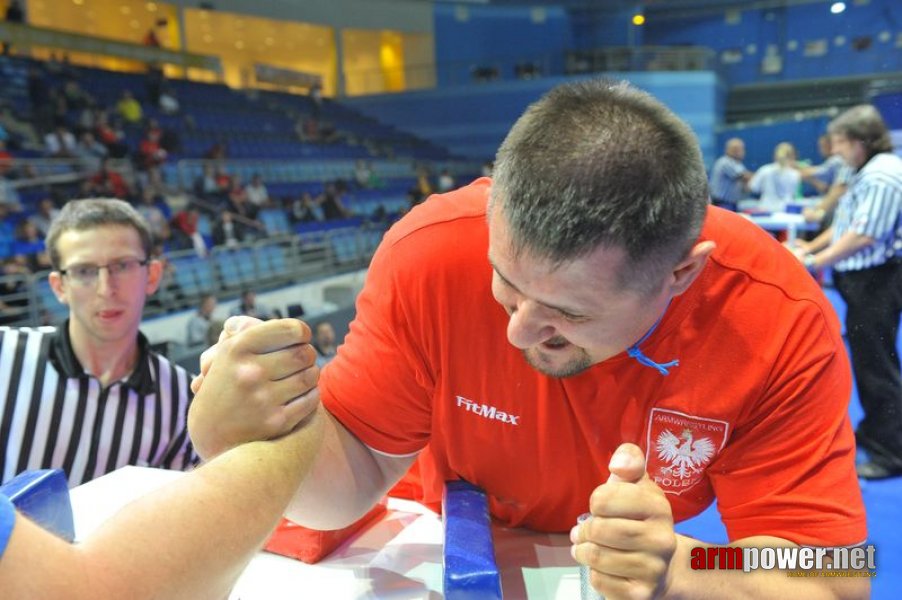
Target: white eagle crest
[[686, 457]]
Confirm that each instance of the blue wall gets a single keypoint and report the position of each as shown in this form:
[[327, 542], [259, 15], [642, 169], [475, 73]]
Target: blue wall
[[890, 107], [596, 29], [472, 121], [800, 24], [467, 36]]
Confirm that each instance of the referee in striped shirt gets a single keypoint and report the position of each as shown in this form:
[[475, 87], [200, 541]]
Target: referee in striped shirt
[[90, 396], [864, 247]]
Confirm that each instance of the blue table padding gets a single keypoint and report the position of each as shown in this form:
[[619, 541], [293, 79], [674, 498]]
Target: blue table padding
[[43, 496], [470, 571]]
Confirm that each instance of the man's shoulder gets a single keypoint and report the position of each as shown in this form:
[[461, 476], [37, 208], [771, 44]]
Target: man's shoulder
[[884, 168], [463, 203], [744, 249], [442, 217]]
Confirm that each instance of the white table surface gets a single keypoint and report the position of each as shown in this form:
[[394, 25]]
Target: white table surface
[[399, 557]]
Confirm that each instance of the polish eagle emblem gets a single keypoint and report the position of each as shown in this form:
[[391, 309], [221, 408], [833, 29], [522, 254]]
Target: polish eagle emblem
[[685, 454]]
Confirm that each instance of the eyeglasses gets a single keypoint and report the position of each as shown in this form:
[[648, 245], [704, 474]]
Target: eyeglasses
[[87, 275]]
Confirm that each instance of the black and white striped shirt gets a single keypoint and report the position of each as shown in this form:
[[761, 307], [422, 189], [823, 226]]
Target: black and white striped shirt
[[873, 207], [55, 415]]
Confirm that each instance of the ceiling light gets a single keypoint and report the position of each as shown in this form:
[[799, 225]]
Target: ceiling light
[[638, 19], [152, 7], [837, 7]]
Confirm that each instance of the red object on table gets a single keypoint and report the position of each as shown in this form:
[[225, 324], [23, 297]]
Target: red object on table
[[312, 545]]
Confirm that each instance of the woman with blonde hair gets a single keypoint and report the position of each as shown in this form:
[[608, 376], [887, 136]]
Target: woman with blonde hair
[[777, 182]]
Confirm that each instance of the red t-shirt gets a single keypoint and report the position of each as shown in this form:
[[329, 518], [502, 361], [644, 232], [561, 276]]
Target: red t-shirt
[[758, 402]]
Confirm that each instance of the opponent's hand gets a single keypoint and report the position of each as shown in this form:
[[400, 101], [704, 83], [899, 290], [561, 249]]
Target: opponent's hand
[[257, 383], [629, 540]]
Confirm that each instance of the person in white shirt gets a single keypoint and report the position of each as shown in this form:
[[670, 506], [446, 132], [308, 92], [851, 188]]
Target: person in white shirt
[[256, 192], [777, 182]]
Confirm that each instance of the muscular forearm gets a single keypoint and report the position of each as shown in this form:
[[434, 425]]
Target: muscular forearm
[[718, 584], [346, 480], [191, 539]]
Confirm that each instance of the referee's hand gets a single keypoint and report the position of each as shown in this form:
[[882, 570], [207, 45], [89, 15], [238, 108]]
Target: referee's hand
[[257, 383]]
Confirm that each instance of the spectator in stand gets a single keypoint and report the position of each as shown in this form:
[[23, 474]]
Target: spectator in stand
[[244, 212], [6, 161], [168, 102], [445, 181], [424, 185], [331, 204], [200, 322], [110, 134], [226, 232], [13, 290], [21, 131], [150, 153], [89, 152], [107, 183], [76, 97], [324, 342], [185, 232], [7, 229], [304, 209], [248, 307], [156, 219], [129, 109], [47, 212], [60, 143], [316, 95], [256, 192], [362, 172], [9, 196], [206, 185], [30, 244], [14, 14]]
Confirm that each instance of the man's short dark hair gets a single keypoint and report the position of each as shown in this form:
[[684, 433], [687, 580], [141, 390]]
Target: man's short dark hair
[[82, 215], [864, 124], [600, 163]]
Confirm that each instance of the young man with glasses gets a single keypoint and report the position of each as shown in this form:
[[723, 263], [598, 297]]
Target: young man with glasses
[[90, 396]]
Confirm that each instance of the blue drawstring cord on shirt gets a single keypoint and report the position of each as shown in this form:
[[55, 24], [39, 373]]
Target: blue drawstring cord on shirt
[[635, 352]]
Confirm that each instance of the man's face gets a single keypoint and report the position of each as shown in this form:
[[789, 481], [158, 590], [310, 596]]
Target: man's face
[[568, 317], [851, 151], [109, 309]]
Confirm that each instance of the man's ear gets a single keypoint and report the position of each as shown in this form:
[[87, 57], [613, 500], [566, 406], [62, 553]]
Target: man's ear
[[154, 275], [55, 279], [688, 269]]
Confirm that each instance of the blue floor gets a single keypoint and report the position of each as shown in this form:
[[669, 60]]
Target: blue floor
[[882, 499]]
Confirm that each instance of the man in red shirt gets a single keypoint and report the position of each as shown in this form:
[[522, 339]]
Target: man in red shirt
[[660, 353]]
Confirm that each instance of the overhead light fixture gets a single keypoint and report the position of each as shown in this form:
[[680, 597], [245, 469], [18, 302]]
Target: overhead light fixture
[[837, 7], [638, 19]]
